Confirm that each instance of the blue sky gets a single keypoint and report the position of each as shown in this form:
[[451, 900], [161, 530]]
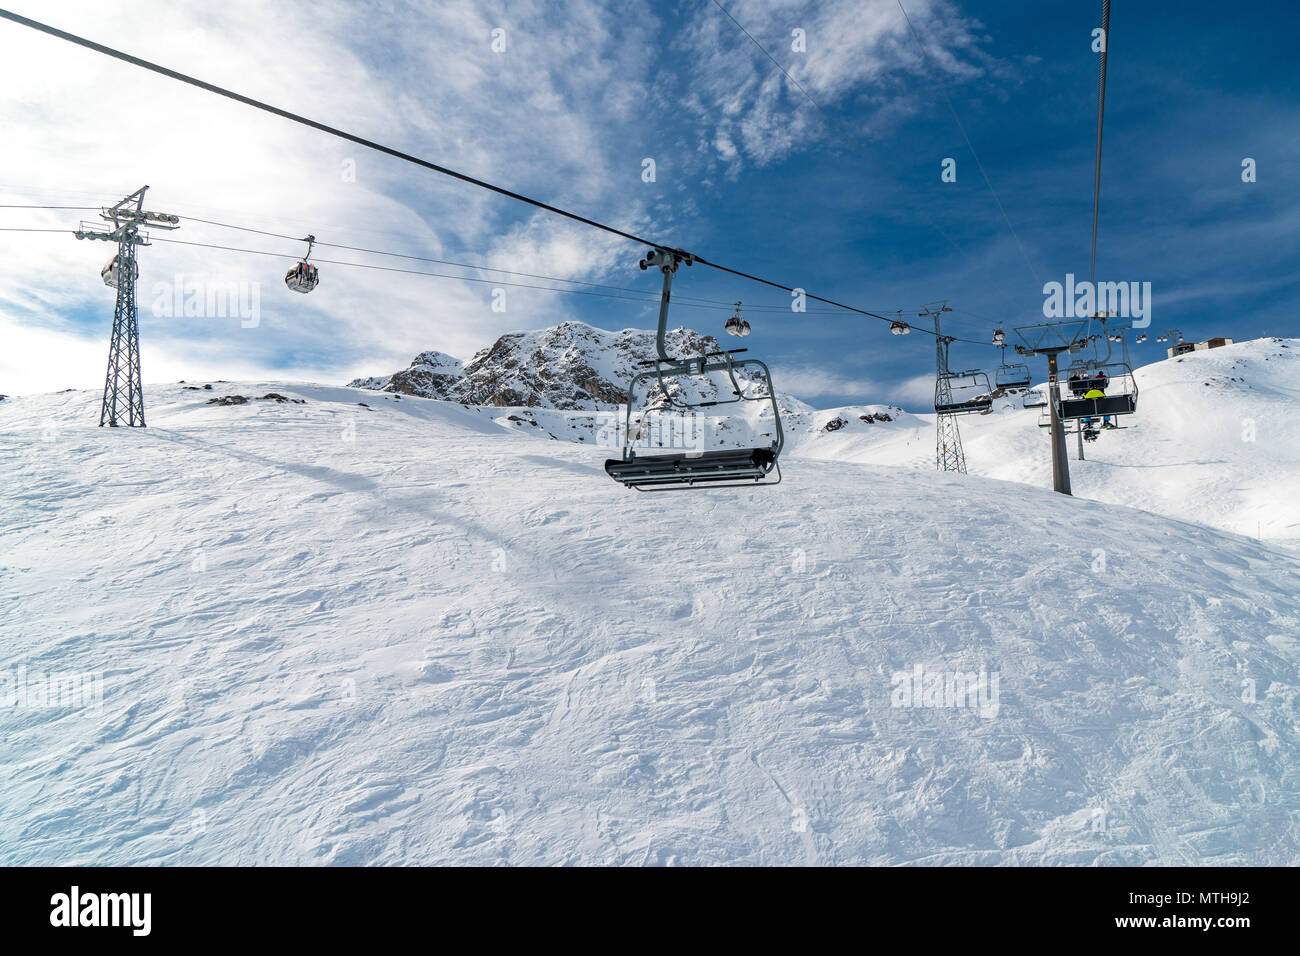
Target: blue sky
[[845, 201]]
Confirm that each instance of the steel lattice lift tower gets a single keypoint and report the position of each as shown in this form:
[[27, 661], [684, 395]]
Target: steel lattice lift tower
[[948, 453], [123, 391]]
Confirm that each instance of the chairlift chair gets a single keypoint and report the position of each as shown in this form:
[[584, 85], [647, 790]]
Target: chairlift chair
[[112, 271], [1013, 376], [963, 393], [1083, 376], [304, 276], [1115, 379], [718, 468]]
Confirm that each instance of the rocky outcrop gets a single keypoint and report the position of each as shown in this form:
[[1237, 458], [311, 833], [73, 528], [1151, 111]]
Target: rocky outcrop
[[570, 366]]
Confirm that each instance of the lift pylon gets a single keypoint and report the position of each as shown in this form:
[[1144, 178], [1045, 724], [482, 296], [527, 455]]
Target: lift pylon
[[123, 390], [948, 453]]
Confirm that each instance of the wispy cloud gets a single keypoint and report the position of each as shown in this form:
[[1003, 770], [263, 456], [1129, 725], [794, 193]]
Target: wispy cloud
[[843, 53], [534, 113]]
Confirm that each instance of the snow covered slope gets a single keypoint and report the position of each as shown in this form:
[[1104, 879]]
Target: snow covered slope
[[340, 633], [1216, 440]]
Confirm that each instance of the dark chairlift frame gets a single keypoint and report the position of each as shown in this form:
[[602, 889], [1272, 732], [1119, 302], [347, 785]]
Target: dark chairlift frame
[[978, 405], [1015, 375]]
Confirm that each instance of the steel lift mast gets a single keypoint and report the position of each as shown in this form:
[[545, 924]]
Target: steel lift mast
[[1051, 340], [948, 453], [123, 393]]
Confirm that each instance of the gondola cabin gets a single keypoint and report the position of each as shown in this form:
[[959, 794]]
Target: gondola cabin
[[302, 278], [112, 271], [737, 325]]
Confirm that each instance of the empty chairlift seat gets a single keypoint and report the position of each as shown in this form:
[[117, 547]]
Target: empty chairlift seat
[[738, 466], [737, 380], [712, 468], [1013, 376], [963, 393]]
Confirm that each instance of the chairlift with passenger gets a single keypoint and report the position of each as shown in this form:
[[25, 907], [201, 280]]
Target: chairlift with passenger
[[1115, 380]]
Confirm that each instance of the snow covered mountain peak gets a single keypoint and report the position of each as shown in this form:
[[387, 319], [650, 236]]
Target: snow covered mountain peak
[[571, 366]]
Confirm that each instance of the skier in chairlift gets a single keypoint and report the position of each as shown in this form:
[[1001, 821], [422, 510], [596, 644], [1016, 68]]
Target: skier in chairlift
[[1088, 423]]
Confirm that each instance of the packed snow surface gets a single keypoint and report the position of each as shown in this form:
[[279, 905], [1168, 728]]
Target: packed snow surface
[[407, 631]]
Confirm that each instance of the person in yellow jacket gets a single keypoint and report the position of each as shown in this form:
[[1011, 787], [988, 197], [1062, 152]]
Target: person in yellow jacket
[[1096, 392]]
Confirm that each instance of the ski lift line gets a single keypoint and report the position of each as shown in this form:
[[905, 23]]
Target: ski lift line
[[14, 187], [260, 232], [362, 265], [417, 272], [969, 145], [638, 293], [440, 275], [1096, 184], [76, 208], [313, 124], [467, 265], [406, 157], [420, 272], [1101, 116], [638, 296], [825, 301]]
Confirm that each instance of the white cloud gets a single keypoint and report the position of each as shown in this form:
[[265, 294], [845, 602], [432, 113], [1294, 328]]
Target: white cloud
[[916, 394], [856, 50], [82, 128], [810, 382]]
